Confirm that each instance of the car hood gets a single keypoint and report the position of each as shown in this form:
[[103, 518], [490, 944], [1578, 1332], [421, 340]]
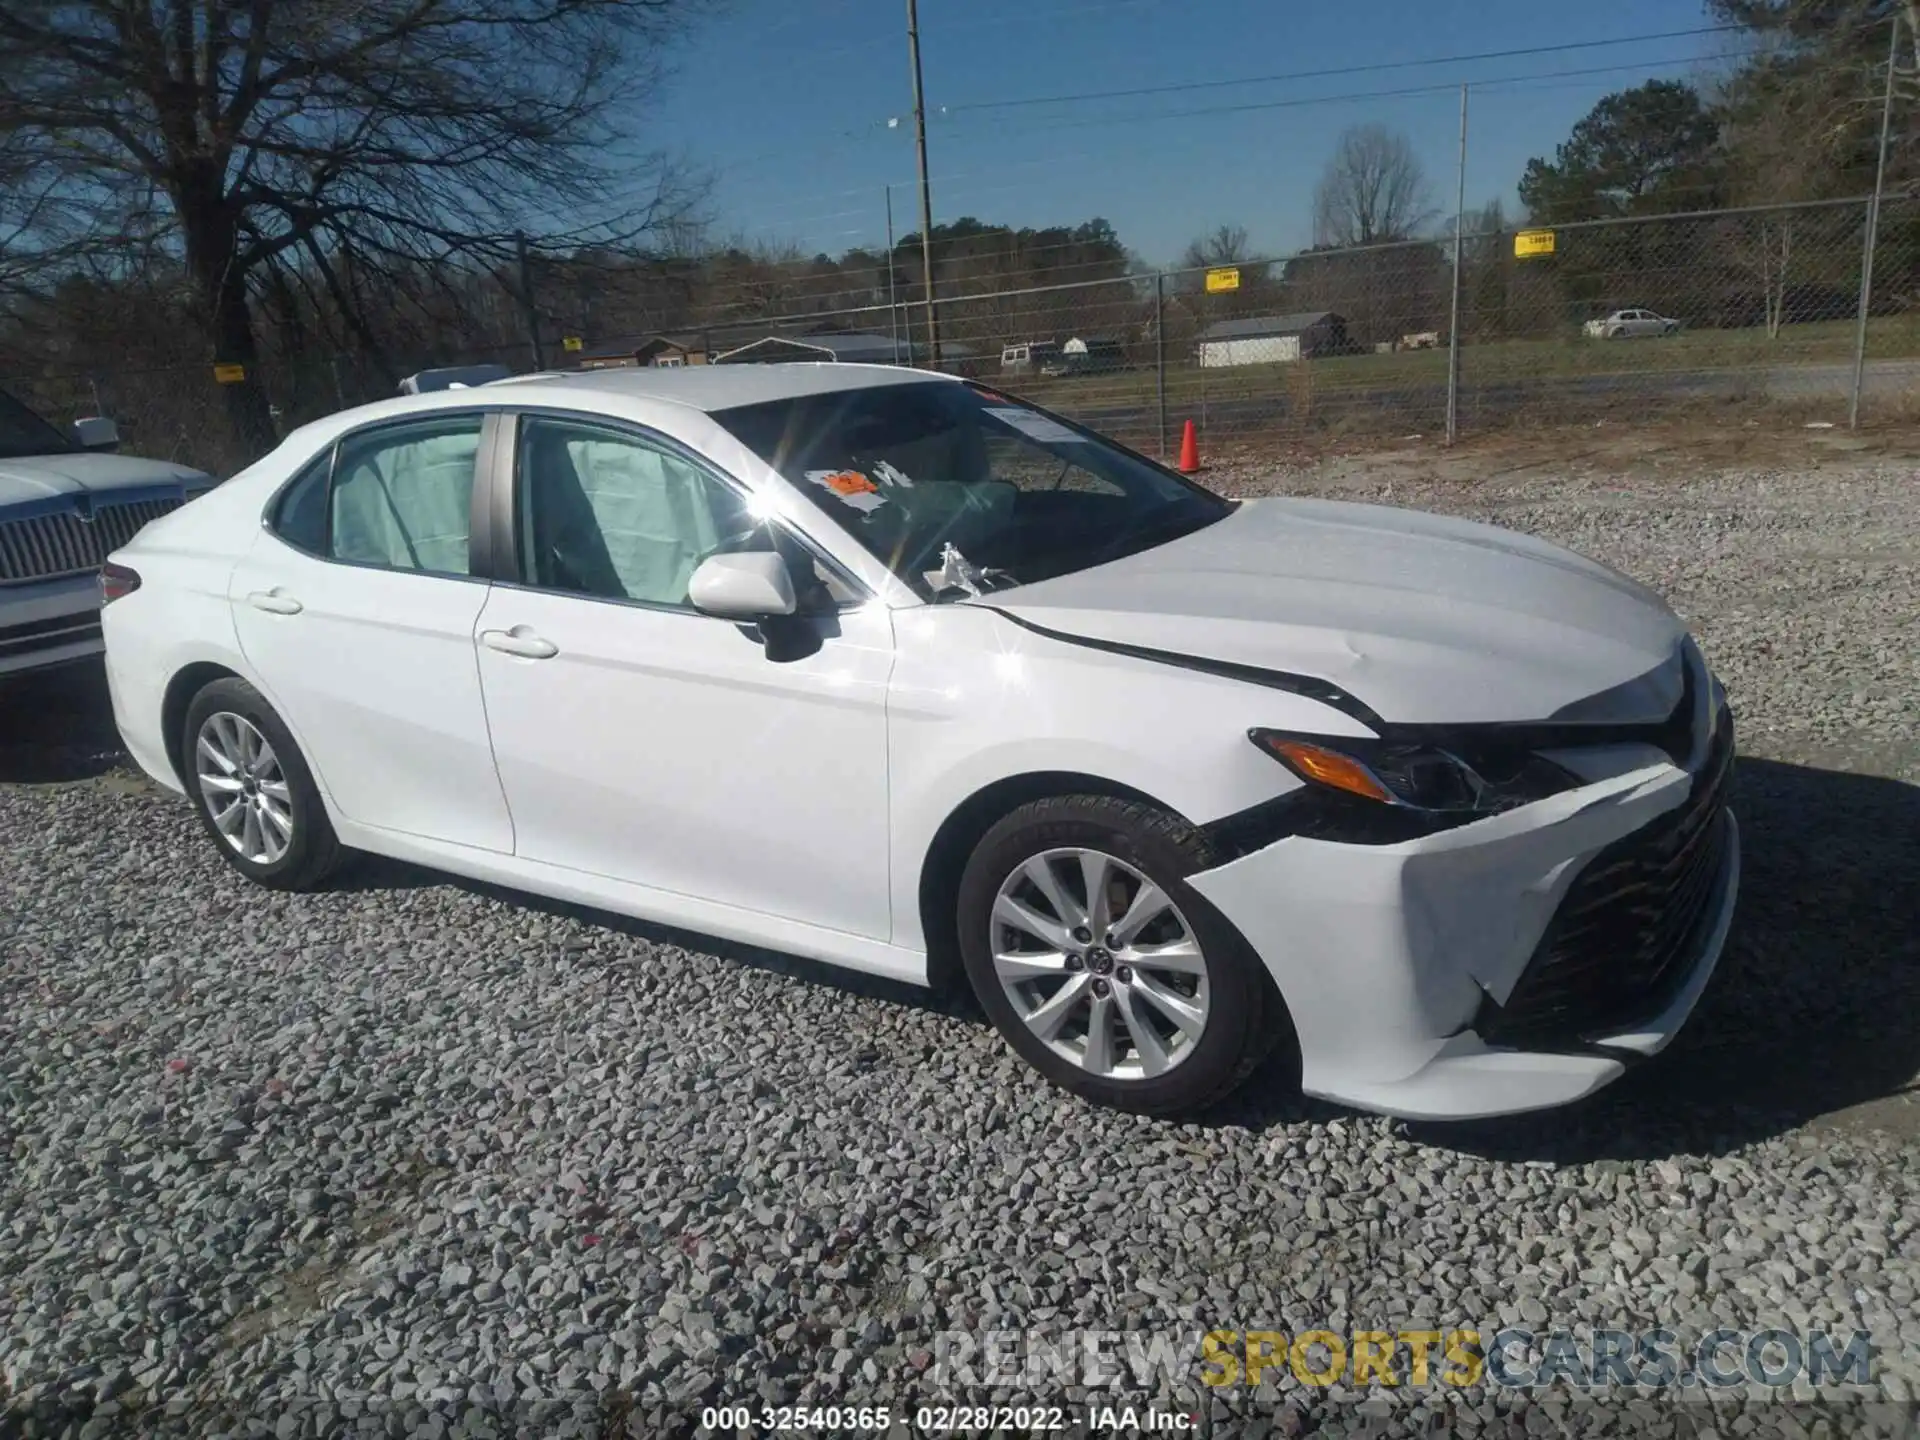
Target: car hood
[[1423, 618], [44, 477]]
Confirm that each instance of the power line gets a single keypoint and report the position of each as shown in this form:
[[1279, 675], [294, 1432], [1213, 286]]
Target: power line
[[865, 130], [1448, 88], [1343, 70], [783, 212]]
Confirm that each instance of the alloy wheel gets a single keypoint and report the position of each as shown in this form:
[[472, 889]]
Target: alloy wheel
[[243, 787], [1099, 963]]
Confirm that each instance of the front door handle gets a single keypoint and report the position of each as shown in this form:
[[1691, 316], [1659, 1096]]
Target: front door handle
[[519, 641], [274, 602]]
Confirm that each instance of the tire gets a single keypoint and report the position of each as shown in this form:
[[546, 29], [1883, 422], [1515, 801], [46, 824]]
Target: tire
[[1199, 1063], [275, 781]]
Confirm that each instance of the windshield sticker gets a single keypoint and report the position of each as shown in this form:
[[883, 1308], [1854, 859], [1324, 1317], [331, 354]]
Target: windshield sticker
[[1037, 427], [888, 475], [850, 487]]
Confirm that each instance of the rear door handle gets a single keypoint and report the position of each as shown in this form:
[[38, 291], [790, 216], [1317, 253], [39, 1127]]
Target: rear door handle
[[274, 602], [519, 641]]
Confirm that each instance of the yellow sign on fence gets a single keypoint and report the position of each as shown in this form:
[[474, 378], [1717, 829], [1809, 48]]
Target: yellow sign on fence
[[571, 343], [1227, 279], [229, 374], [1531, 244]]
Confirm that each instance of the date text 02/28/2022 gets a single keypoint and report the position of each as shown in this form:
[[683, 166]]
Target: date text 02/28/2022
[[944, 1419]]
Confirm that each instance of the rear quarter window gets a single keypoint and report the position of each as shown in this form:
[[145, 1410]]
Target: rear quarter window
[[299, 516]]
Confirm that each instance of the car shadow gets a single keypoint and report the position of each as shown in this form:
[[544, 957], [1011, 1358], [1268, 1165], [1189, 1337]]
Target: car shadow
[[56, 726], [952, 1001], [1810, 1012]]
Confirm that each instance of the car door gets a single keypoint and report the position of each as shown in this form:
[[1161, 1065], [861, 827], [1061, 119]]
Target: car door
[[641, 740], [355, 607]]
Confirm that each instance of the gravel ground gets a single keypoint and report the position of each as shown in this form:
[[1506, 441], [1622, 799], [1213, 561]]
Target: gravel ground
[[411, 1152]]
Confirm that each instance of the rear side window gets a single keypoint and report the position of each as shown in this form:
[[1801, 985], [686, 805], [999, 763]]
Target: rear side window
[[400, 497], [403, 497]]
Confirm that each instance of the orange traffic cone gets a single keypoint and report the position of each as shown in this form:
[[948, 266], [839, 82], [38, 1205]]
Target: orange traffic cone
[[1189, 450]]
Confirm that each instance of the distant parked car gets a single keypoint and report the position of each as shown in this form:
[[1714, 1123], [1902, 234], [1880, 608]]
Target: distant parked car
[[65, 504], [453, 377], [1029, 358], [1630, 324], [1083, 363], [1081, 356]]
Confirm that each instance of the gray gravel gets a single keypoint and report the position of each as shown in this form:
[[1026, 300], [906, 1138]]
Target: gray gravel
[[409, 1152]]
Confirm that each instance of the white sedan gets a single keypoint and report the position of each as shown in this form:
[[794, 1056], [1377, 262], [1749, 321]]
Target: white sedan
[[1632, 324], [894, 671]]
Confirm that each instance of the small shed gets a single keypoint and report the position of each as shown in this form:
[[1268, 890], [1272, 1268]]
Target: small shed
[[665, 352], [1273, 339]]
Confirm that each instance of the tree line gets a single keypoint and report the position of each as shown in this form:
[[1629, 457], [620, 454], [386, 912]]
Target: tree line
[[333, 193]]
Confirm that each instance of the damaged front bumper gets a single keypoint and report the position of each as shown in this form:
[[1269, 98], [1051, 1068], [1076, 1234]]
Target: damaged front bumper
[[1517, 963]]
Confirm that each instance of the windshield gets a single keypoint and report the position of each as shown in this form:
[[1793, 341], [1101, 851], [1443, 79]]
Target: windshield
[[913, 469], [23, 433]]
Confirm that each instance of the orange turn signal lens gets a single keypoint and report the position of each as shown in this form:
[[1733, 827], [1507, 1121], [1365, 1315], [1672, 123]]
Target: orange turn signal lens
[[1328, 767]]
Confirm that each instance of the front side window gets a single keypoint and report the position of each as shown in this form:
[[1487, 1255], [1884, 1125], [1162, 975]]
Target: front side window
[[402, 496], [604, 513], [909, 469]]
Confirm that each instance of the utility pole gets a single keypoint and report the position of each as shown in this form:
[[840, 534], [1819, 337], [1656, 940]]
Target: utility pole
[[1873, 232], [527, 304], [893, 301], [926, 192], [1453, 326]]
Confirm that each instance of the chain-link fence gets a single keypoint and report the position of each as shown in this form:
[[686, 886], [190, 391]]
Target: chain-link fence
[[1754, 310]]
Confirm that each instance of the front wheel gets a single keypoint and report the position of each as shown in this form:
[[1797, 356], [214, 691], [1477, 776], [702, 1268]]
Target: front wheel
[[253, 791], [1102, 967]]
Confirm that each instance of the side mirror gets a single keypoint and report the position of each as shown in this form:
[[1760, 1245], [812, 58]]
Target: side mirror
[[749, 586], [96, 432]]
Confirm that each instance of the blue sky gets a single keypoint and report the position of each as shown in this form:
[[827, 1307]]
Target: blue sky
[[788, 102]]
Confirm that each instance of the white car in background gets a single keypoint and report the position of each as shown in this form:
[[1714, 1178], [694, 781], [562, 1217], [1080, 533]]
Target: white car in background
[[65, 505], [891, 670], [1631, 324]]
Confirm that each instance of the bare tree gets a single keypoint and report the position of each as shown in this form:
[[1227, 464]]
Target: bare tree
[[1372, 191], [1222, 245], [317, 147]]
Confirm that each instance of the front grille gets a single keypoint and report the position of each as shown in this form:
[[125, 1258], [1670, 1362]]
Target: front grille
[[46, 547], [1622, 940]]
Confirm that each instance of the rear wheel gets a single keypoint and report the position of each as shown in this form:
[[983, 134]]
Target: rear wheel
[[1102, 967], [253, 791]]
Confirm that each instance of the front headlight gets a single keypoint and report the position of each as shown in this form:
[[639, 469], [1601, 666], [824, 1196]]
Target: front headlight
[[1442, 783]]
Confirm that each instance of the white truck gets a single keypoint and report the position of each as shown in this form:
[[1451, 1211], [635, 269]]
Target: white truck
[[66, 503]]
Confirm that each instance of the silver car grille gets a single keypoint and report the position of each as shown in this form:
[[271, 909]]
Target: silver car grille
[[46, 547]]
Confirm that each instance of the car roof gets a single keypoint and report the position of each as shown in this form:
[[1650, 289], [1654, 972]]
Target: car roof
[[716, 387], [700, 389]]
